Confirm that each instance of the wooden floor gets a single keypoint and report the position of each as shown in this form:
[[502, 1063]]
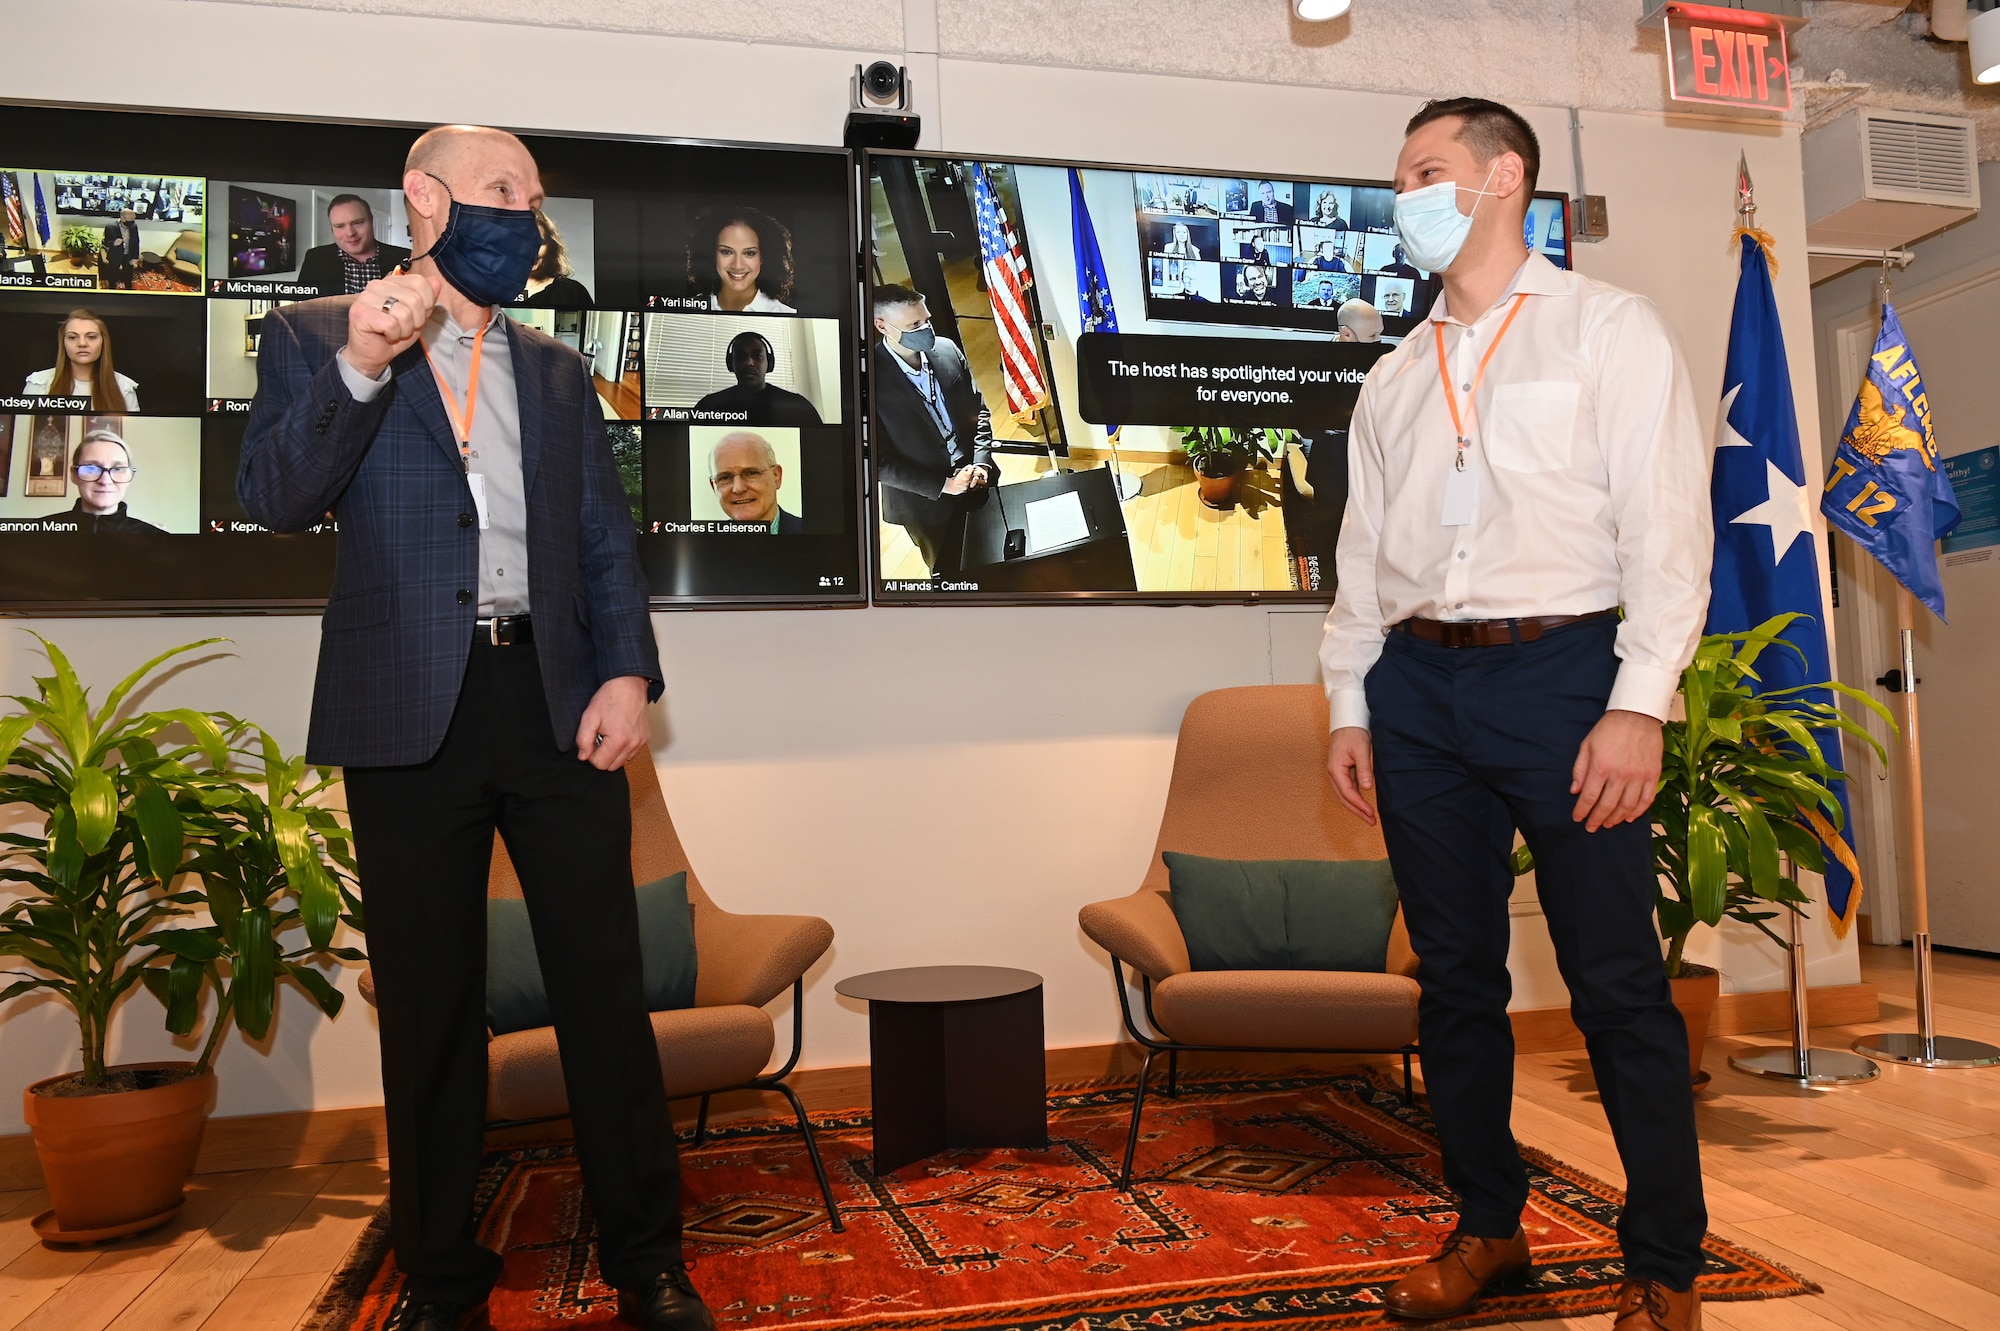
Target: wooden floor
[[1884, 1194]]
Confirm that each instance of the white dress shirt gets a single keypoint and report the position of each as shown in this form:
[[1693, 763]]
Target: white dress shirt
[[1590, 472], [759, 304]]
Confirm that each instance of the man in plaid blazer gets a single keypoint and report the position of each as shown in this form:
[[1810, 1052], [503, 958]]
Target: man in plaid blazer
[[486, 658]]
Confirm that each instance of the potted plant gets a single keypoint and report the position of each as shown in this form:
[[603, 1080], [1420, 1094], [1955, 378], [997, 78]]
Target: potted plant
[[1219, 456], [80, 244], [1745, 802], [95, 891]]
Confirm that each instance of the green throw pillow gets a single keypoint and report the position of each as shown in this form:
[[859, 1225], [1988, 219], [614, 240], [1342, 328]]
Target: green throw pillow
[[1283, 915], [515, 998]]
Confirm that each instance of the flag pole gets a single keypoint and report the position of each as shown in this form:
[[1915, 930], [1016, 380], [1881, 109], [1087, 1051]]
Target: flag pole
[[1925, 1047]]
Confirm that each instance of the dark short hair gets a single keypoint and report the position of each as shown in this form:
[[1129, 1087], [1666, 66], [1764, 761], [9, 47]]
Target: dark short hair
[[339, 199], [894, 297], [774, 241], [1488, 129]]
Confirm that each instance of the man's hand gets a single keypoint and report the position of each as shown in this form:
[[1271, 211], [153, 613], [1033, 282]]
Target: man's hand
[[386, 318], [1350, 761], [961, 480], [1617, 770], [614, 725]]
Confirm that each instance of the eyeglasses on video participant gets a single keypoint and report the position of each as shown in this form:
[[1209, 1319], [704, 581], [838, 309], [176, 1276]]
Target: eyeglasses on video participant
[[751, 357], [486, 660], [103, 468], [741, 259], [84, 366], [1525, 466], [355, 257], [933, 434], [743, 471]]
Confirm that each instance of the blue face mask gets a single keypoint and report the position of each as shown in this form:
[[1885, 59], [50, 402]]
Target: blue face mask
[[1430, 225], [487, 253]]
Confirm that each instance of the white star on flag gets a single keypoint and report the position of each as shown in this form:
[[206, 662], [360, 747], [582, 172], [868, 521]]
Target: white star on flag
[[1725, 433], [1787, 510]]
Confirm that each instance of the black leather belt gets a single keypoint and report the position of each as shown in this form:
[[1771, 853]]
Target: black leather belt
[[1492, 632], [503, 630]]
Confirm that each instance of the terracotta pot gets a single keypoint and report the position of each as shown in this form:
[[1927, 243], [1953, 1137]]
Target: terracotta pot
[[1218, 491], [1695, 992], [114, 1159]]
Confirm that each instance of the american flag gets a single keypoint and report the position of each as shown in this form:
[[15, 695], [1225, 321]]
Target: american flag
[[1007, 282], [17, 226]]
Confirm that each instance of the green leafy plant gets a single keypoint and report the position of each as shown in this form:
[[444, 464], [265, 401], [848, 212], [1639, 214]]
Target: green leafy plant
[[271, 861], [94, 884], [79, 242], [1744, 787], [1216, 451]]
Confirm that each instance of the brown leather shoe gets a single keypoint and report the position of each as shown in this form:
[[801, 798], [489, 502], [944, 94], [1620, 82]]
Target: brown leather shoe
[[1648, 1305], [1465, 1268]]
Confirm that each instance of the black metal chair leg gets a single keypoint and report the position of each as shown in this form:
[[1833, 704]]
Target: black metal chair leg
[[812, 1150], [1173, 1074], [1409, 1092], [701, 1123], [1138, 1107]]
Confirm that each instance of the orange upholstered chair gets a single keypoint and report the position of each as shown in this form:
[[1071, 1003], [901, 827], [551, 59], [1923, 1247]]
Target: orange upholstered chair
[[725, 1040], [1250, 783]]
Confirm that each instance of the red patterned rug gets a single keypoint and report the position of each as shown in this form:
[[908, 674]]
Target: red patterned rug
[[1274, 1202]]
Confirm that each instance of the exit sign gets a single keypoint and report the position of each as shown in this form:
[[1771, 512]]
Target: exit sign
[[1728, 57]]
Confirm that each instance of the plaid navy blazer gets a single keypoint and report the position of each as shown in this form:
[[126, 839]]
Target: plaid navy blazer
[[398, 626]]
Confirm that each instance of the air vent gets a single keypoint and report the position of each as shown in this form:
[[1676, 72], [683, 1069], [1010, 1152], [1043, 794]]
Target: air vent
[[1929, 159]]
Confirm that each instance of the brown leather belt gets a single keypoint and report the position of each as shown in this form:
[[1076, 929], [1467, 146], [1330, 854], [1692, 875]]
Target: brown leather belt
[[1491, 632]]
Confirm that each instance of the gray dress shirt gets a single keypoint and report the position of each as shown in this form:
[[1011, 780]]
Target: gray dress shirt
[[496, 448]]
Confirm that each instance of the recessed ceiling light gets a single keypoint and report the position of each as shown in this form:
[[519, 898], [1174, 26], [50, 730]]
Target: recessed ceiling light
[[1984, 31], [1318, 11]]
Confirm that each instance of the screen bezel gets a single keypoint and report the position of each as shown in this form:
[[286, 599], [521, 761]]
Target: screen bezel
[[853, 398], [880, 597]]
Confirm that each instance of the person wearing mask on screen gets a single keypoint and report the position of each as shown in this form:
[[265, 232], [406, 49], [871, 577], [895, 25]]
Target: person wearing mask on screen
[[743, 471], [1182, 245], [103, 469], [1523, 574], [750, 357], [486, 661], [552, 283], [1267, 208], [933, 433], [120, 251], [1359, 322], [355, 257], [84, 367], [741, 259]]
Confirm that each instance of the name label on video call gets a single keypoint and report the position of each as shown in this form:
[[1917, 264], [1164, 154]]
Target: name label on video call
[[1289, 383]]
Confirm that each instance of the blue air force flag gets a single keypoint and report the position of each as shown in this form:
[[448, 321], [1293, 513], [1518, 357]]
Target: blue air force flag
[[1886, 489], [1766, 555], [1093, 284]]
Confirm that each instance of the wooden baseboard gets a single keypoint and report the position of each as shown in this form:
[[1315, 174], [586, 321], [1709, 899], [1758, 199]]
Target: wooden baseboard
[[325, 1136]]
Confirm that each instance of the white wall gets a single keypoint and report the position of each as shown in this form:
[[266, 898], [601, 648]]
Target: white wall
[[943, 784]]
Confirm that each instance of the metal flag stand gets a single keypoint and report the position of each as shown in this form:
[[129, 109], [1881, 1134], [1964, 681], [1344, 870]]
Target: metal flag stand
[[1798, 1063], [1925, 1047]]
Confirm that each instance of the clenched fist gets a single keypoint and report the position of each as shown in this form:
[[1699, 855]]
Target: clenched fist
[[387, 317]]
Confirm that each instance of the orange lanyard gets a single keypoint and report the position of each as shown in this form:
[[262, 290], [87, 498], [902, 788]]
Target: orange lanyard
[[1460, 427], [463, 420]]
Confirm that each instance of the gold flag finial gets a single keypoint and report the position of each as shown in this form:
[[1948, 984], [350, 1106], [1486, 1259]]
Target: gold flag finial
[[1746, 214]]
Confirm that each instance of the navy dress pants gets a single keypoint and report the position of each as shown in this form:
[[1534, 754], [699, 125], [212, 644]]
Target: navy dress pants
[[1470, 744]]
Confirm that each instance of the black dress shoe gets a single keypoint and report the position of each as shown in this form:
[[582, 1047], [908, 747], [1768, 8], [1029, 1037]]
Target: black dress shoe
[[667, 1302], [429, 1315]]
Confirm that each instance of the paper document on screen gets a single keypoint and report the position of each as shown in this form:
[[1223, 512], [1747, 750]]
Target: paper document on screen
[[1054, 521]]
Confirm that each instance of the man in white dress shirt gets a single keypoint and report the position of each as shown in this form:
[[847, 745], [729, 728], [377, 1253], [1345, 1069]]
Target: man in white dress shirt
[[1524, 467]]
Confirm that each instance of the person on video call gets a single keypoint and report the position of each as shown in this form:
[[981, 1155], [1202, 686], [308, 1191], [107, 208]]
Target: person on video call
[[1508, 665], [1254, 283], [933, 433], [750, 358], [1327, 258], [743, 471], [355, 257], [1267, 208], [1322, 294], [84, 367], [1326, 212], [1190, 284], [1182, 245], [741, 259], [486, 660], [552, 284], [121, 250], [1400, 265], [103, 468]]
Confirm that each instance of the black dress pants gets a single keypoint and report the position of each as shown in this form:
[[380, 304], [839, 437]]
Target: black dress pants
[[1471, 743], [423, 837]]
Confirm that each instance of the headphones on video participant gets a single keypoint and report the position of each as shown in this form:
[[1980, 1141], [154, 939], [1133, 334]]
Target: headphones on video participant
[[770, 352]]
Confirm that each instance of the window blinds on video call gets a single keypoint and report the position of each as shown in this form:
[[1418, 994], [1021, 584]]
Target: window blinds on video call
[[709, 289]]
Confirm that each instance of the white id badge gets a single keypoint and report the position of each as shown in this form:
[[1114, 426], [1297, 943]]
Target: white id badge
[[1461, 498], [478, 484]]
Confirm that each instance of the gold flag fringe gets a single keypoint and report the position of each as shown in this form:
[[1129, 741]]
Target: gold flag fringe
[[1765, 241]]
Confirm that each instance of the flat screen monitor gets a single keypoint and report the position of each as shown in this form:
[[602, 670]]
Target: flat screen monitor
[[707, 287]]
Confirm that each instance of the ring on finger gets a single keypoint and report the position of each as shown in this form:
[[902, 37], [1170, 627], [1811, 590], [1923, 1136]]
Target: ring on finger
[[388, 302]]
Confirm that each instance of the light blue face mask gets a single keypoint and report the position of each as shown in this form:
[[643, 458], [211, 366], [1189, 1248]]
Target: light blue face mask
[[1430, 225]]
